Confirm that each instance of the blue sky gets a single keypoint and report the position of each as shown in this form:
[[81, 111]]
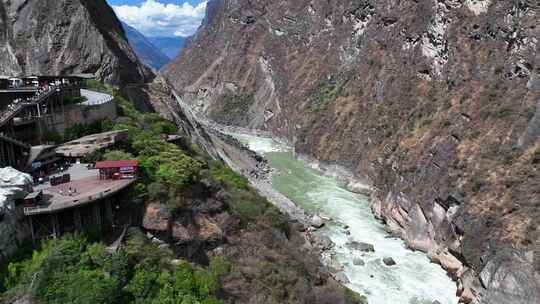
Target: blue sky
[[162, 18]]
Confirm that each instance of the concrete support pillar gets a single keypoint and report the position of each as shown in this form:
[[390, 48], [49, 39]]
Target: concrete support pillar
[[2, 156], [51, 111], [11, 129], [10, 154], [5, 153], [77, 219], [55, 225], [38, 122], [97, 215], [31, 223], [13, 155], [108, 212], [61, 94], [40, 130]]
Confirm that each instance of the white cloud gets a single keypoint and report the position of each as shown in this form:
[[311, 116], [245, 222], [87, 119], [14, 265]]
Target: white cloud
[[153, 18]]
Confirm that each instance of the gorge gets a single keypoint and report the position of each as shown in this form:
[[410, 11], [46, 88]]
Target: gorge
[[398, 142], [431, 103], [412, 280]]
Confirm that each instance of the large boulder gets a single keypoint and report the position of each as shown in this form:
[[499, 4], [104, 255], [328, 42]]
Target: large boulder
[[357, 261], [157, 217], [209, 230], [342, 278], [13, 230], [181, 234], [388, 261], [317, 221], [13, 183], [322, 242], [360, 246]]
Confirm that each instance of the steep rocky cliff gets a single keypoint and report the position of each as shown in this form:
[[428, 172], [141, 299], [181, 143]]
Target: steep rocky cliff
[[436, 104], [65, 37]]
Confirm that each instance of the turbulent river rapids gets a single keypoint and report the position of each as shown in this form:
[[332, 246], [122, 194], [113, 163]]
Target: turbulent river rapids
[[413, 280]]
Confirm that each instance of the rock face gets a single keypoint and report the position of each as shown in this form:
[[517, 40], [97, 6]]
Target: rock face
[[157, 218], [65, 37], [14, 185], [435, 103]]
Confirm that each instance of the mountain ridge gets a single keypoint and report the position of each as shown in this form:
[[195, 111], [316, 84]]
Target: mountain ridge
[[170, 46], [147, 52]]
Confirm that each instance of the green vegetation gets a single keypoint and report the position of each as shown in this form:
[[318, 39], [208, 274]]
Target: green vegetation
[[118, 155], [96, 85], [326, 93], [226, 176], [52, 136], [168, 170], [83, 129], [160, 162], [355, 298], [233, 107], [74, 270]]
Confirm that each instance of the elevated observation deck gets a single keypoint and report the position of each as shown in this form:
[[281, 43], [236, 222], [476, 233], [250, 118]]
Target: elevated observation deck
[[86, 188]]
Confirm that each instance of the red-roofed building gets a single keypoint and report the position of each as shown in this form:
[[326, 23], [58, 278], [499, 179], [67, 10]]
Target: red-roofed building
[[117, 169]]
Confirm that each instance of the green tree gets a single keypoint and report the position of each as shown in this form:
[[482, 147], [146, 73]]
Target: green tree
[[118, 155]]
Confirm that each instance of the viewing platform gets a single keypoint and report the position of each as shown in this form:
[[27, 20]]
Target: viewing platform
[[88, 190], [78, 198]]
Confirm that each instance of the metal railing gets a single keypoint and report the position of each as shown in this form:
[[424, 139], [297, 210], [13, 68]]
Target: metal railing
[[15, 107]]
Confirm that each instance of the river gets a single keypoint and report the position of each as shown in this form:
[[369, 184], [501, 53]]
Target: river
[[413, 280]]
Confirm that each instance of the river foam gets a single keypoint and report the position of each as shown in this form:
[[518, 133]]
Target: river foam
[[414, 280]]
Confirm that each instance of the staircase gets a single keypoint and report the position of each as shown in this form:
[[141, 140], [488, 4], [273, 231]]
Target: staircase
[[7, 115]]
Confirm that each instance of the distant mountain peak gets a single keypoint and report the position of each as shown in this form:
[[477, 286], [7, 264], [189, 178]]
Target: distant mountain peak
[[170, 46], [147, 52]]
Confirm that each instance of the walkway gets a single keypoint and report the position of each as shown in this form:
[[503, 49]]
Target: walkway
[[94, 98], [14, 108]]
